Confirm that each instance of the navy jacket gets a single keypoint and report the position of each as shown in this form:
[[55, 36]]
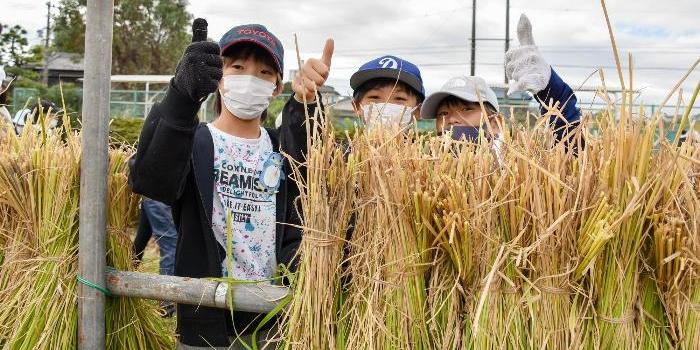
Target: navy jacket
[[558, 91]]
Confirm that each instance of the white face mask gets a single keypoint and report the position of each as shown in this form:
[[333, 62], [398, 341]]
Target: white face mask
[[387, 114], [246, 96]]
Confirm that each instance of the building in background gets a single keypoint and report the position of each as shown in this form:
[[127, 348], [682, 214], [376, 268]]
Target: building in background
[[63, 67]]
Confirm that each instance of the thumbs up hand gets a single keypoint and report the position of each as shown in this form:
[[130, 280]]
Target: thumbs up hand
[[526, 69], [201, 67], [313, 74]]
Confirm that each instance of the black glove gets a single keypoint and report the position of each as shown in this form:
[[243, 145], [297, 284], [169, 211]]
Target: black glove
[[199, 71]]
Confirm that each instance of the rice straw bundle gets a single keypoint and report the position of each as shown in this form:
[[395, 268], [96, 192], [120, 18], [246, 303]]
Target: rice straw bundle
[[130, 322], [454, 246], [327, 194], [633, 185], [39, 184], [674, 248], [387, 259], [477, 235], [440, 211], [652, 322], [543, 210], [39, 178]]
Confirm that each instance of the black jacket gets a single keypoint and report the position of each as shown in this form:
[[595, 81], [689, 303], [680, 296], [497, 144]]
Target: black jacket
[[174, 164]]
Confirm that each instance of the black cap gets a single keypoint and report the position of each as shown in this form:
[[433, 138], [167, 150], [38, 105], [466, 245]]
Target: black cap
[[257, 34]]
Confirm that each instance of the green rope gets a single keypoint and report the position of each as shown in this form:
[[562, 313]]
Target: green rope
[[94, 286]]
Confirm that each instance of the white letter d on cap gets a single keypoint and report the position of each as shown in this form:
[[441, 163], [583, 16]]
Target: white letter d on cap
[[388, 62]]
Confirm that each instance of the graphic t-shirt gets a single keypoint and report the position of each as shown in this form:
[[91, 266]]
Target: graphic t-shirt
[[247, 175]]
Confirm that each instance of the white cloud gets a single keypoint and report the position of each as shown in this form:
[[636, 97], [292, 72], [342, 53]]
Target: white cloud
[[434, 34]]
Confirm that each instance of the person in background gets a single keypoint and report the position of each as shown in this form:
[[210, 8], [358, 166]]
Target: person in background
[[50, 112], [5, 116], [456, 106], [156, 220]]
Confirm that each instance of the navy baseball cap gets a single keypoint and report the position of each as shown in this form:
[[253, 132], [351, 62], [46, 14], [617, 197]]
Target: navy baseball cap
[[257, 34], [389, 67]]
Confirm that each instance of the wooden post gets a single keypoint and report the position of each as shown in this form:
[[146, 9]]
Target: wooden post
[[93, 173], [249, 297]]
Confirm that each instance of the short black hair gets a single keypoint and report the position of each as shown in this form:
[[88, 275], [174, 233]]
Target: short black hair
[[46, 106], [454, 101], [379, 83], [246, 50]]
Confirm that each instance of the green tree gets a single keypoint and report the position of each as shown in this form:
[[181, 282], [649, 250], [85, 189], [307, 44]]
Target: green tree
[[149, 35], [69, 26], [14, 47]]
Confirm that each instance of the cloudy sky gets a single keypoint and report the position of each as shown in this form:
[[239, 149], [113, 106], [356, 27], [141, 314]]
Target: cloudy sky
[[662, 36]]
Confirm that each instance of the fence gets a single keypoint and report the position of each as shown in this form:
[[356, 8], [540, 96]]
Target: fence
[[137, 104]]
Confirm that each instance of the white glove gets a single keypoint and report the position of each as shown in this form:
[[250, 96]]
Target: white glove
[[526, 69]]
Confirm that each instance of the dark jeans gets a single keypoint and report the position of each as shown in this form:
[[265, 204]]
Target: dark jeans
[[157, 220]]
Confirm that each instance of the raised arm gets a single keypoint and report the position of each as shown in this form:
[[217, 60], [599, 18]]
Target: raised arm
[[527, 70], [162, 160], [305, 85]]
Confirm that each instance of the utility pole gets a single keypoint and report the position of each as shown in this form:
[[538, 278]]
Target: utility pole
[[505, 76], [473, 65], [47, 37]]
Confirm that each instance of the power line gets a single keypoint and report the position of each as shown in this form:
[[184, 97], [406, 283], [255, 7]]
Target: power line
[[460, 50], [569, 9], [542, 48], [556, 66]]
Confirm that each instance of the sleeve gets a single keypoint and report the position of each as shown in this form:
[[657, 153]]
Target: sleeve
[[558, 92], [162, 162], [143, 235], [293, 140]]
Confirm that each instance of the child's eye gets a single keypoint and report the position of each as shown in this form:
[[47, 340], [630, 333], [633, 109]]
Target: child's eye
[[400, 98], [442, 114], [266, 72], [237, 66]]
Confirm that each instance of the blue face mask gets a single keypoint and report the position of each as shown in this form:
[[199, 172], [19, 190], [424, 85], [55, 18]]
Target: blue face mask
[[469, 133]]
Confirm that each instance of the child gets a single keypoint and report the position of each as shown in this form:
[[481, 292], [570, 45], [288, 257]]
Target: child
[[456, 106], [229, 173], [386, 90], [5, 116]]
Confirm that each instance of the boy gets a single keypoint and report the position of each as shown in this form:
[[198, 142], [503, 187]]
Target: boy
[[229, 173], [456, 106], [386, 90]]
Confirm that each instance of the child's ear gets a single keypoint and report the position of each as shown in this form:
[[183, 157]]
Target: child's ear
[[356, 108], [221, 84], [279, 87]]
